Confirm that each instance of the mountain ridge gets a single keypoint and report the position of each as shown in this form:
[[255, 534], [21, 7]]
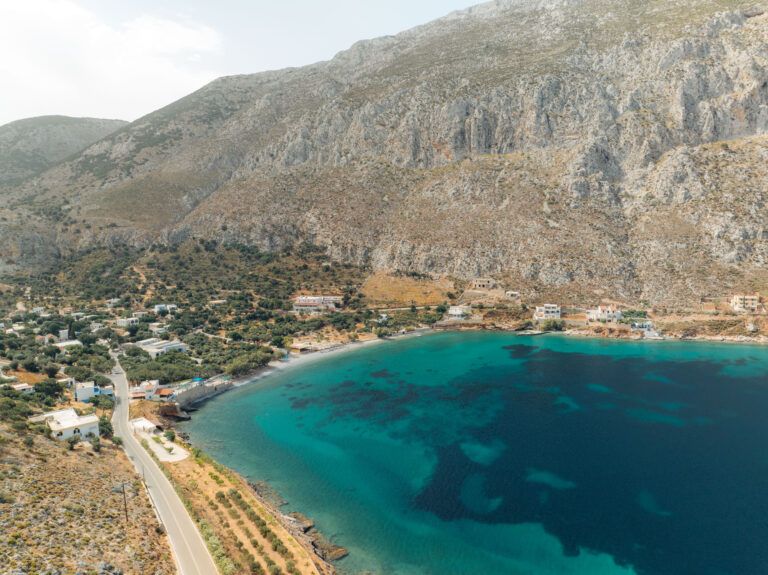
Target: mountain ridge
[[32, 145], [527, 142]]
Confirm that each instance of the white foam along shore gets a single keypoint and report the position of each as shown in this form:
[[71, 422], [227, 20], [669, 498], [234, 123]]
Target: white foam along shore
[[294, 360]]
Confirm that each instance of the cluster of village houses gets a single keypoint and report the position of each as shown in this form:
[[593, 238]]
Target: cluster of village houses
[[739, 303], [65, 423]]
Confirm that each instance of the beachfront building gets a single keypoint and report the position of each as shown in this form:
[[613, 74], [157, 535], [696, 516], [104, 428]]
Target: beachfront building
[[143, 425], [145, 390], [65, 423], [156, 347], [301, 347], [745, 303], [85, 391], [313, 304], [459, 311], [547, 311], [605, 313], [127, 321], [483, 283]]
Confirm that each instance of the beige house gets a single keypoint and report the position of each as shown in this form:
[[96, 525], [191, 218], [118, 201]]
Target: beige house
[[483, 283]]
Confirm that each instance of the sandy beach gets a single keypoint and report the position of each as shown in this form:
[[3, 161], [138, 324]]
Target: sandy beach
[[294, 360]]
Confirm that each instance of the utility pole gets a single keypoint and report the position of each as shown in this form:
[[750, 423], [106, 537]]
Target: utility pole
[[125, 503]]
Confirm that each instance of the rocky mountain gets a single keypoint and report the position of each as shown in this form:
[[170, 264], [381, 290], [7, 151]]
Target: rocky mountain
[[31, 146], [572, 148]]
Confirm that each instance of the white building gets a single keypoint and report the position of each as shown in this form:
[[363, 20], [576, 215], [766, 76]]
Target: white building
[[547, 311], [155, 347], [65, 423], [310, 304], [604, 313], [96, 326], [145, 390], [745, 302], [169, 307], [24, 388], [62, 345], [459, 310], [158, 328], [139, 314], [513, 295], [64, 334], [127, 321], [112, 302], [38, 310], [142, 424], [85, 391]]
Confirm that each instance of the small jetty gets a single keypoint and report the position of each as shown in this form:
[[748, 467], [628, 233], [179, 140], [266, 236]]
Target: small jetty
[[531, 332]]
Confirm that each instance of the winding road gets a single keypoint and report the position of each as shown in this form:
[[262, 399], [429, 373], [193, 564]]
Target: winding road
[[192, 556]]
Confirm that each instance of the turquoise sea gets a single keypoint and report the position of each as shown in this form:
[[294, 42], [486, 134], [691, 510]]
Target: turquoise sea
[[469, 453]]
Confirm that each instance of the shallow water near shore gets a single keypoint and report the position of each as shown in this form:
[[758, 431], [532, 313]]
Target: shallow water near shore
[[461, 453]]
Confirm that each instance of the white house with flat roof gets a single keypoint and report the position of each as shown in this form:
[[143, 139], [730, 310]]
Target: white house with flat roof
[[155, 347], [24, 388], [143, 424], [66, 422], [547, 311], [604, 313], [86, 391], [127, 321], [62, 345], [459, 310], [311, 304], [158, 328], [745, 302]]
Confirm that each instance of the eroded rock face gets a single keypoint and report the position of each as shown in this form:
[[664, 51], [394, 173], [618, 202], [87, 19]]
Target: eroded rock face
[[569, 147]]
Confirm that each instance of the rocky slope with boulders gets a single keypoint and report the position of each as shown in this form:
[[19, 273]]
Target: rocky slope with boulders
[[571, 148]]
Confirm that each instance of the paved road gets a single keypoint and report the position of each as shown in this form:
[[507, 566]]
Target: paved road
[[188, 546]]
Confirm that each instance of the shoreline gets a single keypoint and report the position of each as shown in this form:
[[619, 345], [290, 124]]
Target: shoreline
[[296, 523], [295, 360]]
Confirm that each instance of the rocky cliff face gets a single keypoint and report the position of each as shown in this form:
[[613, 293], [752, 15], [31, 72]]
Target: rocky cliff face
[[573, 148], [29, 147]]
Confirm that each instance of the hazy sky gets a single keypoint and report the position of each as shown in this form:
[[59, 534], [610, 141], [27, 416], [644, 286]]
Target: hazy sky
[[126, 58]]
